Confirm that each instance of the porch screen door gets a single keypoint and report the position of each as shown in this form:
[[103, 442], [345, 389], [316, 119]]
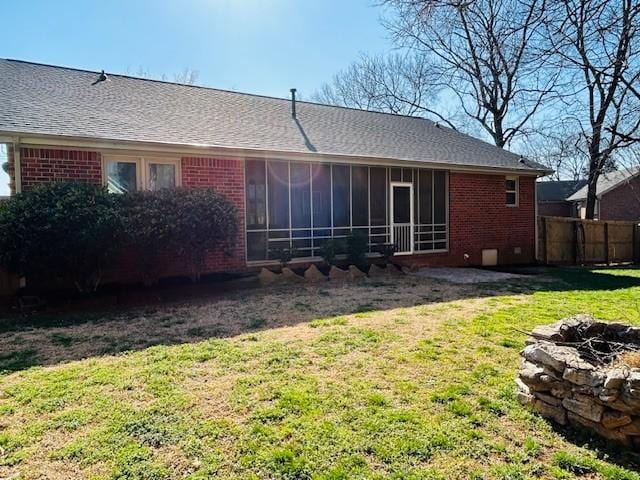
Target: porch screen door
[[402, 217]]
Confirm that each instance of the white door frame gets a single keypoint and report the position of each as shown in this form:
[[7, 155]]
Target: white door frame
[[392, 224]]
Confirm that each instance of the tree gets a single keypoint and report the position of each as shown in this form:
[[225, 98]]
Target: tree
[[596, 44], [487, 55]]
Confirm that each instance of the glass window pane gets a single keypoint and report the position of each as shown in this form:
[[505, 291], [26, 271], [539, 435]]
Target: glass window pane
[[511, 198], [510, 184], [360, 195], [278, 186], [162, 175], [300, 195], [439, 196], [321, 185], [121, 177], [378, 184], [256, 194], [341, 195], [425, 196]]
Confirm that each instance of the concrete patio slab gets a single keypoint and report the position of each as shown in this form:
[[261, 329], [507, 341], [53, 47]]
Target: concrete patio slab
[[466, 275]]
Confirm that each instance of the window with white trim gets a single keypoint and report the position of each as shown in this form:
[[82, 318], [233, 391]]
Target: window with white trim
[[127, 174], [511, 188]]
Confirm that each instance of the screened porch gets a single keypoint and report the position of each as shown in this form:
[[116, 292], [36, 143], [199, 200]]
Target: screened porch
[[299, 205]]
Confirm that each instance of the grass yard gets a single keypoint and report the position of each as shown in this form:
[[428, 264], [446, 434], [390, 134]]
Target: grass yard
[[400, 378]]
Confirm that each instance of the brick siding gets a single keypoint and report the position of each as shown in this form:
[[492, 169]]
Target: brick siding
[[479, 219], [622, 203], [478, 216], [41, 165]]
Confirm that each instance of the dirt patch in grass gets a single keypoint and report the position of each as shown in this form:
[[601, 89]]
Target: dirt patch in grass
[[224, 316]]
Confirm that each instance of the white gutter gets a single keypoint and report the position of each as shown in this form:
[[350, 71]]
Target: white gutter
[[236, 152]]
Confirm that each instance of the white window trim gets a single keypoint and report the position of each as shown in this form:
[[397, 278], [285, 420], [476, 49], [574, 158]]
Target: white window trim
[[516, 191], [142, 167]]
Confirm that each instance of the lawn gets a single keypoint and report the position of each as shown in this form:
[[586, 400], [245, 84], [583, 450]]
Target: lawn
[[396, 378]]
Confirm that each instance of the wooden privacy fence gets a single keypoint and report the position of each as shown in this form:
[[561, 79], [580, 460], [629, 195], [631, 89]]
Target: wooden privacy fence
[[573, 241]]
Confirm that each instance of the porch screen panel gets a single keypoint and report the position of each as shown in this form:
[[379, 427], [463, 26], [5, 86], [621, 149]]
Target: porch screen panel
[[341, 196], [256, 211], [278, 198], [440, 209], [378, 201], [301, 208], [360, 196]]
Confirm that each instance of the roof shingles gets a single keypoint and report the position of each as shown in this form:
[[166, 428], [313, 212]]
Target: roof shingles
[[47, 100]]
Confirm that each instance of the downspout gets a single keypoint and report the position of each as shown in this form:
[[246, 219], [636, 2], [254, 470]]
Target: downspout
[[17, 166]]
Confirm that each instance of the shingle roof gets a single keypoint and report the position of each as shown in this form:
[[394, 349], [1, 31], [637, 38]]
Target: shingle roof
[[607, 181], [556, 191], [49, 100]]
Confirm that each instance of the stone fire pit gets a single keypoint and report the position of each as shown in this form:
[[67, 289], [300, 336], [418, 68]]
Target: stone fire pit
[[574, 372]]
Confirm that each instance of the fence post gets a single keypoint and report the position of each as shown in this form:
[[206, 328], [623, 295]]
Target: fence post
[[545, 255], [606, 243], [575, 241]]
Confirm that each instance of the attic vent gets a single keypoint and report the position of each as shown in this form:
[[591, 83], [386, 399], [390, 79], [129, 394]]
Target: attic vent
[[101, 78]]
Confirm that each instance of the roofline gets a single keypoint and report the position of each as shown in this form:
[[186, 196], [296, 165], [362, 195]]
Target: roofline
[[601, 194], [39, 140]]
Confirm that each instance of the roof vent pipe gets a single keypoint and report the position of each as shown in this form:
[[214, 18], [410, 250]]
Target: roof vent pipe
[[293, 102]]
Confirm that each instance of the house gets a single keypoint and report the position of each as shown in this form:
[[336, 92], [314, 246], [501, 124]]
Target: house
[[618, 196], [298, 172], [552, 197]]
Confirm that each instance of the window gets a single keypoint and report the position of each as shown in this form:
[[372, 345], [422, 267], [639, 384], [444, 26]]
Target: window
[[300, 205], [511, 187], [127, 174]]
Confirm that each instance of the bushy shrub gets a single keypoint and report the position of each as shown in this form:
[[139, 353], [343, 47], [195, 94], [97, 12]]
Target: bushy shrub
[[357, 247], [61, 232], [205, 221], [328, 251], [149, 219]]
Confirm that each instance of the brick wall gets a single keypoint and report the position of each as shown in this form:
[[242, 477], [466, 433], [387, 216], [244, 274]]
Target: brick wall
[[479, 219], [622, 203], [41, 165]]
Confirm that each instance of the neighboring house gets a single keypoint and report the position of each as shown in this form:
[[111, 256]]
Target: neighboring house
[[552, 197], [299, 173], [618, 196]]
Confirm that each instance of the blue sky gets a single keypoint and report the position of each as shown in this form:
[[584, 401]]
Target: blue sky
[[257, 46]]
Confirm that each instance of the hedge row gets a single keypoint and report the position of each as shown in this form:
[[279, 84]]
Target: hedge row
[[70, 233]]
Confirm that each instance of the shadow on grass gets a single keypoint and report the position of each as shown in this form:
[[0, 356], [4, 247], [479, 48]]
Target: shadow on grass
[[605, 450], [117, 321]]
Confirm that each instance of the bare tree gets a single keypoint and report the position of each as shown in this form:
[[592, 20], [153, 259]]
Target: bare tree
[[187, 76], [560, 149], [597, 45], [486, 56]]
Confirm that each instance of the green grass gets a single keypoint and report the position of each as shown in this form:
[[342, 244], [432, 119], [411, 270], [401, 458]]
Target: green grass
[[415, 392]]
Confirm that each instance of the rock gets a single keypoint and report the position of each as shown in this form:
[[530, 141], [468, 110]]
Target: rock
[[589, 377], [605, 432], [312, 274], [392, 269], [632, 428], [355, 272], [550, 333], [585, 407], [633, 380], [550, 399], [612, 419], [376, 271], [291, 276], [553, 356], [616, 377], [558, 414], [338, 274], [267, 277]]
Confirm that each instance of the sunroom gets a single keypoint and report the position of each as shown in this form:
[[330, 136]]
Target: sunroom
[[298, 206]]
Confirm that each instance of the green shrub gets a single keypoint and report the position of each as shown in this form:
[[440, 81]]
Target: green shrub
[[328, 251], [204, 221], [65, 233], [357, 247]]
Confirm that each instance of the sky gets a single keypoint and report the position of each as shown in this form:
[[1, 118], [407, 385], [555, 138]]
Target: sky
[[256, 46]]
